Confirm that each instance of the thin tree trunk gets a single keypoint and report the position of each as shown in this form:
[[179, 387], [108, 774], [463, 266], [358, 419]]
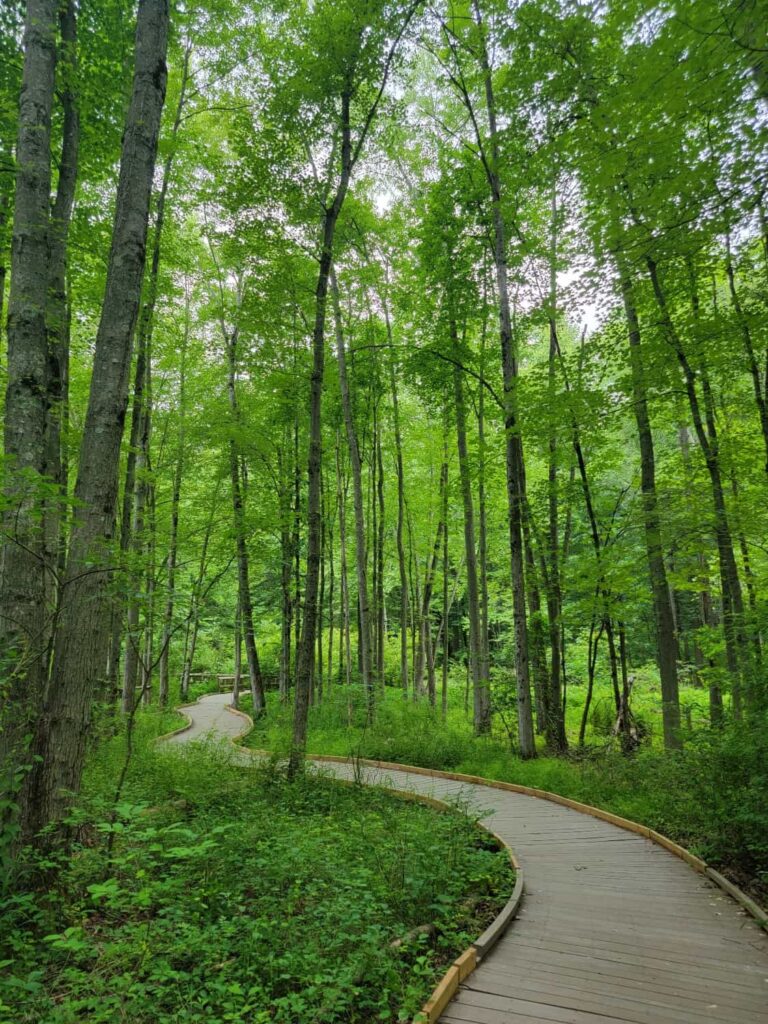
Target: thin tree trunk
[[592, 650], [349, 157], [238, 506], [57, 312], [514, 454], [381, 623], [148, 660], [666, 635], [426, 601], [444, 623], [331, 592], [174, 538], [317, 687], [238, 657], [345, 642], [286, 568], [194, 614], [482, 554], [400, 507], [62, 729], [481, 704], [364, 620]]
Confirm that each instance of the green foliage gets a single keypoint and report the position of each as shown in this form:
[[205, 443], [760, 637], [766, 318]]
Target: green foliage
[[232, 895]]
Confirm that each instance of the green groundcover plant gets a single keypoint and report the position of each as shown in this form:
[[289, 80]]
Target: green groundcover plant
[[218, 894]]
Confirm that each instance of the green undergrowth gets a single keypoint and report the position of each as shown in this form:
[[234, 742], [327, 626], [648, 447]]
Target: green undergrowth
[[712, 797], [233, 895]]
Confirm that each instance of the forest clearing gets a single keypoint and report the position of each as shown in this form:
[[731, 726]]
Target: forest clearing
[[384, 385]]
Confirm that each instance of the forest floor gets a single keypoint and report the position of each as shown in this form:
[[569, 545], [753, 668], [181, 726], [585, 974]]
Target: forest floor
[[712, 797], [223, 902]]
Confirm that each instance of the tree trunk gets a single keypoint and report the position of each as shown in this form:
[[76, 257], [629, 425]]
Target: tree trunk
[[482, 554], [482, 704], [194, 612], [514, 455], [238, 666], [400, 507], [238, 507], [426, 600], [24, 626], [364, 620], [345, 643], [381, 623], [79, 654], [57, 309], [666, 638]]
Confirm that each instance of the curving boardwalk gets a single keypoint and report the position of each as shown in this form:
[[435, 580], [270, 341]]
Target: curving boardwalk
[[613, 928]]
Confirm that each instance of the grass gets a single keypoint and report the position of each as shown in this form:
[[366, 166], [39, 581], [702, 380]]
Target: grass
[[231, 895], [712, 797]]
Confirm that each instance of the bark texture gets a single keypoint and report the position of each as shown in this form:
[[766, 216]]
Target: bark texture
[[23, 619], [79, 653]]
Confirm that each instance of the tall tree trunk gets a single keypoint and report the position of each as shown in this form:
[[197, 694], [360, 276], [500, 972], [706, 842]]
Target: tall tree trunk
[[57, 309], [349, 157], [137, 540], [238, 666], [444, 622], [400, 506], [364, 637], [148, 660], [381, 610], [317, 685], [514, 455], [286, 569], [238, 507], [345, 643], [306, 647], [24, 623], [482, 554], [425, 645], [173, 543], [666, 638], [142, 379], [482, 703], [331, 593], [79, 654], [194, 612]]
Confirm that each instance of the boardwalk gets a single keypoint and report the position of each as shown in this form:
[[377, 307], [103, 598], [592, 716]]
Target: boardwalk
[[613, 928]]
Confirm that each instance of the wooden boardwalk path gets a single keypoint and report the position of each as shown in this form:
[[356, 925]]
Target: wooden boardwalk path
[[613, 928]]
